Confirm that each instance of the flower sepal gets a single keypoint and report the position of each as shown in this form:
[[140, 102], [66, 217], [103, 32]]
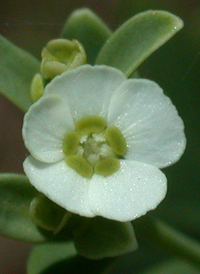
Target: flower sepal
[[101, 238], [48, 215], [95, 243]]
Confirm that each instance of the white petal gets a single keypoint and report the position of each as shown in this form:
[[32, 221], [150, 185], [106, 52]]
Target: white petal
[[87, 89], [45, 125], [129, 193], [60, 184], [149, 121]]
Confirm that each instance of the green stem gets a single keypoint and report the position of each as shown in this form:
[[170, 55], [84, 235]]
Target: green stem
[[168, 238]]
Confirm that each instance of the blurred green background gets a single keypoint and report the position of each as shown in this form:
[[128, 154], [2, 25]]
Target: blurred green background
[[175, 67]]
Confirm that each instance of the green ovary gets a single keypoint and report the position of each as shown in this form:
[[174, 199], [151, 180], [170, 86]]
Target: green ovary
[[94, 148]]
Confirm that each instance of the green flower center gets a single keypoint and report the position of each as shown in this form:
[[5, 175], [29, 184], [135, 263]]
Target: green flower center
[[94, 148]]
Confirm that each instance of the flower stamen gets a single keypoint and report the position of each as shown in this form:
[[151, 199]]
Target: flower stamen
[[80, 165], [107, 166], [91, 124], [93, 147], [71, 143], [116, 140]]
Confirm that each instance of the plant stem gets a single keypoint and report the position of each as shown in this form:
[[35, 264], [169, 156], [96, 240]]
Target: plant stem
[[168, 238]]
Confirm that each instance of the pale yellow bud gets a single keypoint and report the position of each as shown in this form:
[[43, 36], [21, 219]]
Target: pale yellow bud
[[37, 87], [60, 55]]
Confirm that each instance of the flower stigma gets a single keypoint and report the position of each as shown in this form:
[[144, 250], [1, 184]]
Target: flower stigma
[[93, 147]]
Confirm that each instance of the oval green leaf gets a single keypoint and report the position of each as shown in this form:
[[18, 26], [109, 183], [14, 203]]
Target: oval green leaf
[[16, 194], [17, 68], [105, 238], [60, 258], [137, 38], [47, 254], [86, 27]]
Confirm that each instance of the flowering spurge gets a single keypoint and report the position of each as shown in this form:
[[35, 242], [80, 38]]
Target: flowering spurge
[[98, 140]]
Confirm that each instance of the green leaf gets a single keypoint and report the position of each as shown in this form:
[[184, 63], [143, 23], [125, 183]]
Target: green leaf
[[103, 238], [86, 27], [17, 68], [137, 38], [61, 258], [168, 238], [44, 255], [173, 266], [16, 194]]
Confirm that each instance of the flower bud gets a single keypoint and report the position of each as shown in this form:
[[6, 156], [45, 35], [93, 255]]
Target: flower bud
[[60, 55], [37, 87]]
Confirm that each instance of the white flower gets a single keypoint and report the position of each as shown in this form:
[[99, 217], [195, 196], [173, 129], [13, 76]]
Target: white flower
[[141, 119]]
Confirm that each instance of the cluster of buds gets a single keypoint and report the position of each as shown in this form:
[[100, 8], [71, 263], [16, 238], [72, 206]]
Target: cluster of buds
[[58, 56]]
